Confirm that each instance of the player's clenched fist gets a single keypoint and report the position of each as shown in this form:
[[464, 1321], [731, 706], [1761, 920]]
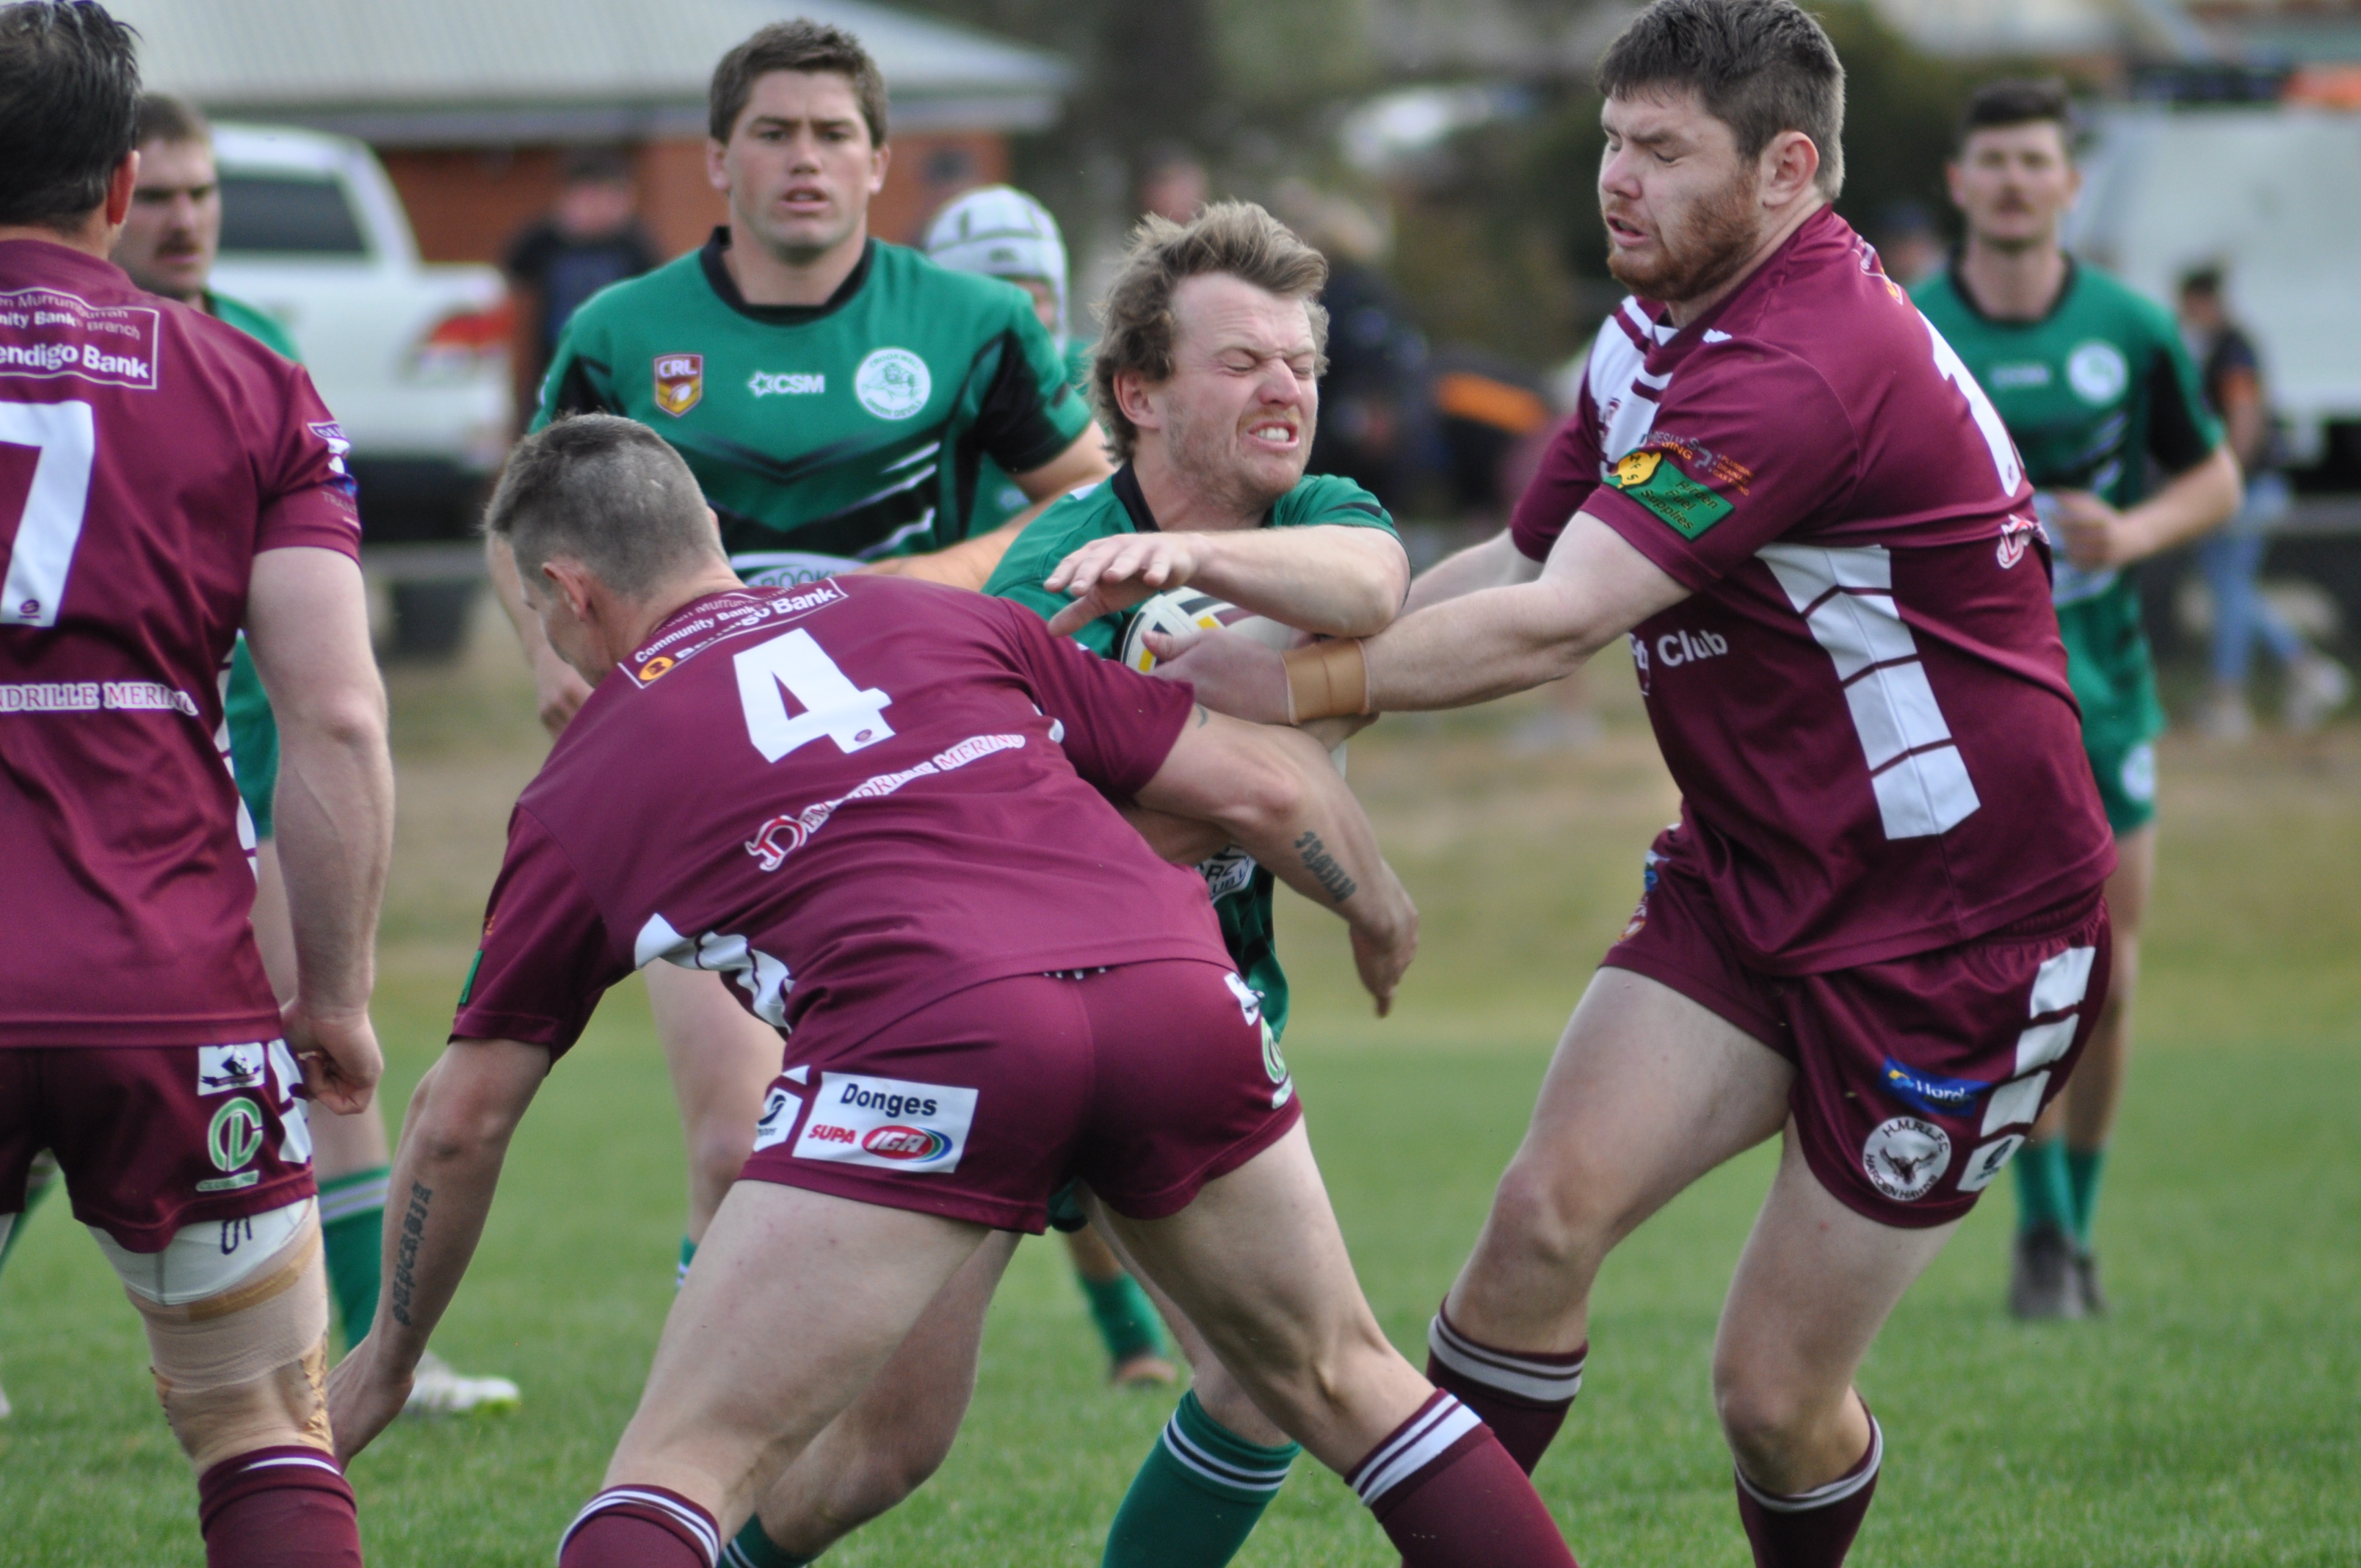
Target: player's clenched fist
[[340, 1056], [1111, 575]]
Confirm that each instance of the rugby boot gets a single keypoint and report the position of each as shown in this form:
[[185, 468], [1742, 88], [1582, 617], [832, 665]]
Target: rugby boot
[[2086, 1283], [437, 1391], [2042, 1283]]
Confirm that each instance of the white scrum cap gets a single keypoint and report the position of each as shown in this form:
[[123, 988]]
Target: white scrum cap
[[1001, 232]]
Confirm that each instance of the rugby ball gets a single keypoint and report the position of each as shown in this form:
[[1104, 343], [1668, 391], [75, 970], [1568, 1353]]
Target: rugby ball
[[1184, 610]]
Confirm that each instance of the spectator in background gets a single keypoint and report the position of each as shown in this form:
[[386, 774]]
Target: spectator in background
[[1909, 243], [591, 238], [2316, 685], [1374, 426]]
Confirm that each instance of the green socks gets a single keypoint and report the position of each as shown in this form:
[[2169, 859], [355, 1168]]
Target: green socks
[[1195, 1501], [43, 1181], [753, 1549], [2043, 1197], [1126, 1319], [688, 1256], [352, 1232], [2083, 1171]]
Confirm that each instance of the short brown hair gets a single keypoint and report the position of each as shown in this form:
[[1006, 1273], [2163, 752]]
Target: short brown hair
[[1238, 239], [2015, 101], [800, 45], [163, 118], [608, 491], [1759, 66]]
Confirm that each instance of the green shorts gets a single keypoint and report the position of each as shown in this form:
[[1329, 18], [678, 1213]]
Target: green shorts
[[253, 739], [2114, 680]]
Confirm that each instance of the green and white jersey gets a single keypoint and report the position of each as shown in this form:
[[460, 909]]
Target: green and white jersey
[[998, 498], [1242, 891], [825, 436], [2090, 392]]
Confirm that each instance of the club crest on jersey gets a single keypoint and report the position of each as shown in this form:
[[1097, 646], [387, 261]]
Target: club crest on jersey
[[1904, 1157], [1688, 507], [680, 382], [221, 1069], [893, 383]]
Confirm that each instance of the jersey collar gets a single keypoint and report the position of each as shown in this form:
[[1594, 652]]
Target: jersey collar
[[1135, 503], [718, 277], [1968, 300]]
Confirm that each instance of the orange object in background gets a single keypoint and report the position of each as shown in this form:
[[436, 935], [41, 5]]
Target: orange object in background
[[1464, 394], [2326, 87]]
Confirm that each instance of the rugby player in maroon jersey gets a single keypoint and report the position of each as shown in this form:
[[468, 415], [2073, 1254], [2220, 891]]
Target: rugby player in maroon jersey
[[164, 479], [881, 809], [1877, 929]]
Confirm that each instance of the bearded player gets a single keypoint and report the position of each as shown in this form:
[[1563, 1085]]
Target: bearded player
[[2094, 385], [835, 397], [1207, 373], [883, 808], [171, 480], [1877, 931]]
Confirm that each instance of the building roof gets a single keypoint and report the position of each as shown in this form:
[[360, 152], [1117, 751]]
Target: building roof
[[467, 72]]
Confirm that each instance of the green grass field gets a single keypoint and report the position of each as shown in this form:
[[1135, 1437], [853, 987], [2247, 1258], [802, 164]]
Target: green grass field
[[2211, 1420]]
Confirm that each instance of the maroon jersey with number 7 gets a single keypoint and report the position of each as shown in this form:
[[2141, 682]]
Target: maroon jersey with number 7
[[148, 451], [853, 797]]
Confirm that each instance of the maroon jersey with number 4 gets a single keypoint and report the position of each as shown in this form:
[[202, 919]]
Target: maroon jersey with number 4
[[853, 797], [1864, 699], [148, 451]]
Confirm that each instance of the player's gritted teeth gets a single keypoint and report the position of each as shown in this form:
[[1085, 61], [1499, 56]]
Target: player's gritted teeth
[[1274, 432]]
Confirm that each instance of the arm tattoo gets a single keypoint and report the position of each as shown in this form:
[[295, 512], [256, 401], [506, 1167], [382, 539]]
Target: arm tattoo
[[1202, 715], [1325, 869], [413, 1229]]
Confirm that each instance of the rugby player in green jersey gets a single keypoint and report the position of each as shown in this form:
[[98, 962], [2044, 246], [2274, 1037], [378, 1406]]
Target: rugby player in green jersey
[[836, 397], [2094, 384], [1207, 375], [998, 231], [167, 245]]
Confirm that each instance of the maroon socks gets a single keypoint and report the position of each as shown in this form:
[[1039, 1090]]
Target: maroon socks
[[1814, 1528], [1448, 1495], [639, 1527], [1521, 1395], [278, 1507]]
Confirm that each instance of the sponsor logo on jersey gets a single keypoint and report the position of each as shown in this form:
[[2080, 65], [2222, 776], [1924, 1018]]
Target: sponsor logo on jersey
[[48, 332], [221, 1069], [893, 383], [1905, 1157], [655, 667], [1931, 1093], [785, 384], [2097, 372], [1230, 871], [331, 436], [2017, 537], [733, 616], [1988, 1161], [779, 1119], [887, 1123], [680, 382], [783, 835], [1680, 502], [1676, 647], [2019, 374], [232, 1140]]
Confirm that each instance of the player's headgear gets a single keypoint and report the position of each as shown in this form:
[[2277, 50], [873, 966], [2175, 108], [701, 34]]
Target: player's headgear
[[1238, 239], [68, 109], [609, 493], [1760, 66], [800, 45], [1001, 232]]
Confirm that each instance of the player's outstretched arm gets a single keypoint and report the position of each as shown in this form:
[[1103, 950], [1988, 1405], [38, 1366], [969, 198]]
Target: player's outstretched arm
[[1495, 564], [1278, 796], [2195, 501], [452, 1142], [1330, 578], [307, 622], [1483, 644]]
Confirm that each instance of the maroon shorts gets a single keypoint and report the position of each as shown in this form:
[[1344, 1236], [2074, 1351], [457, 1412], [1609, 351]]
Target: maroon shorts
[[1146, 1080], [154, 1137], [1916, 1078]]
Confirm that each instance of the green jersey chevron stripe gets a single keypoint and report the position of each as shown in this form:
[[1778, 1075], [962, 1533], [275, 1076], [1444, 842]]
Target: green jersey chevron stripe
[[829, 435], [1243, 905]]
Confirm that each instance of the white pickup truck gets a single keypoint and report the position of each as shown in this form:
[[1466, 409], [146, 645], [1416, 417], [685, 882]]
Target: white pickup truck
[[411, 357]]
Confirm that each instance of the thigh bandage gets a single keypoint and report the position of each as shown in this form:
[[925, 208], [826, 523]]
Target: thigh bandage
[[229, 1302]]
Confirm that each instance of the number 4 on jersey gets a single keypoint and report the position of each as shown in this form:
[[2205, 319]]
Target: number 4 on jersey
[[832, 706]]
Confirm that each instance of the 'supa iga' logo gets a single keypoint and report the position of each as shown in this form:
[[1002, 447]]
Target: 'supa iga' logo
[[680, 382], [896, 1141]]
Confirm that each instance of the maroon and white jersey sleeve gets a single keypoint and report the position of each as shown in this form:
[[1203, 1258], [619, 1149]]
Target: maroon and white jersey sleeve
[[546, 956], [852, 796], [1864, 700], [147, 453]]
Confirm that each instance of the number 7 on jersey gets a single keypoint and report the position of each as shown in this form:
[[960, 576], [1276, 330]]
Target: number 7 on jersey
[[42, 554]]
